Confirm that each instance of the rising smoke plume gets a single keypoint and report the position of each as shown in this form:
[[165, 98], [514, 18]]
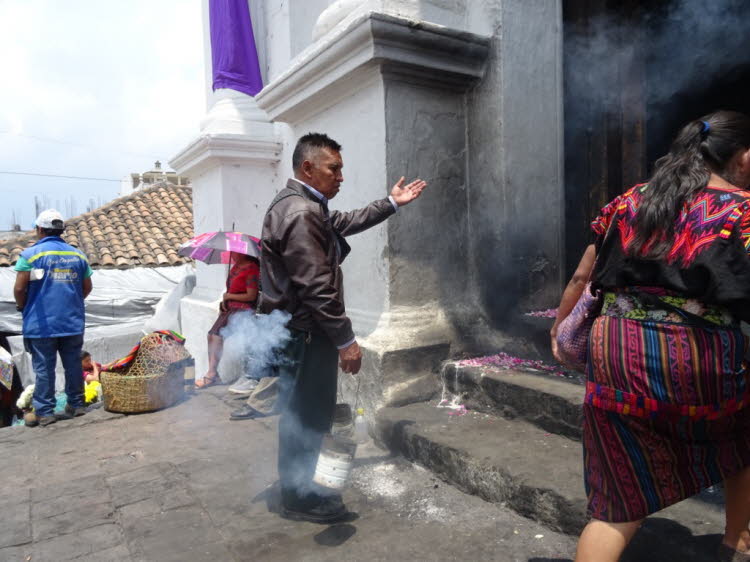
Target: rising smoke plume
[[634, 74], [255, 341], [689, 47]]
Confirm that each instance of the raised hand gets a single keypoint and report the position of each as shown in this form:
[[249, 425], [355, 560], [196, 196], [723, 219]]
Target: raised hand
[[405, 194]]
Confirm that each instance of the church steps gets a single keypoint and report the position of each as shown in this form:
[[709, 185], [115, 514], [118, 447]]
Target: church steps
[[535, 472], [550, 402]]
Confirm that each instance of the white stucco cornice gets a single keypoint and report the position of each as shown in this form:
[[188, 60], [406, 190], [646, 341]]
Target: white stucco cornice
[[209, 150], [396, 47]]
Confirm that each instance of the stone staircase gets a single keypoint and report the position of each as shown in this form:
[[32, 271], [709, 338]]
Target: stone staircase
[[519, 445]]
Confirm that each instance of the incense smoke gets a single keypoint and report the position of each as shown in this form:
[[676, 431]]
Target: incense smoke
[[678, 51], [255, 341]]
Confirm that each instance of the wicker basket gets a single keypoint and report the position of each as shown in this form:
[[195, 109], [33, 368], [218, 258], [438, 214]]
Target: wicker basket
[[154, 380]]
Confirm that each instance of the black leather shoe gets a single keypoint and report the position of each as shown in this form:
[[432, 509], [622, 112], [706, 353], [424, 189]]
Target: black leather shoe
[[321, 510], [245, 413], [289, 497], [335, 501]]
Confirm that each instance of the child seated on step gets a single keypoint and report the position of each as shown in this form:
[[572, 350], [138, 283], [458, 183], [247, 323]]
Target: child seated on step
[[92, 387]]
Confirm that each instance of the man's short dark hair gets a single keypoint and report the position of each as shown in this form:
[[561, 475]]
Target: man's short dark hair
[[309, 142], [52, 231]]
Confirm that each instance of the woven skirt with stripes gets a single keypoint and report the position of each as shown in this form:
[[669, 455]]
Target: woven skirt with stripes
[[665, 414]]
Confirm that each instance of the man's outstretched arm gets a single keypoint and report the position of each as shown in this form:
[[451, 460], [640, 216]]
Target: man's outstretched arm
[[354, 222]]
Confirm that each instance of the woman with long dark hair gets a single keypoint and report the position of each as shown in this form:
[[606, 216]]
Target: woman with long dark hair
[[666, 406]]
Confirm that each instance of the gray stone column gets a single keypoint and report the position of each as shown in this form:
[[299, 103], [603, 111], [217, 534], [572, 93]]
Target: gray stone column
[[516, 205], [393, 92]]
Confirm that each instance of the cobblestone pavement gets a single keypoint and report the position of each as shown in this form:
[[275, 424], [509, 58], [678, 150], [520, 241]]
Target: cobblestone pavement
[[186, 484]]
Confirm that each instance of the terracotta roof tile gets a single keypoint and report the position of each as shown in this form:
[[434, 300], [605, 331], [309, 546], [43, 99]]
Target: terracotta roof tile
[[140, 229]]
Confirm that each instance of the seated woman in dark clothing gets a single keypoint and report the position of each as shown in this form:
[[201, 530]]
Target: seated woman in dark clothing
[[241, 294], [665, 410]]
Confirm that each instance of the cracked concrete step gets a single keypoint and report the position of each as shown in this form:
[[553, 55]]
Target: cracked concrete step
[[536, 473], [552, 403]]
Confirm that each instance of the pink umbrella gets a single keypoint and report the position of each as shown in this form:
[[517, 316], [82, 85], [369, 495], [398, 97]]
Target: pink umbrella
[[216, 247]]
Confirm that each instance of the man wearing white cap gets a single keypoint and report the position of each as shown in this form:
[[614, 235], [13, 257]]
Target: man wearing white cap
[[53, 279]]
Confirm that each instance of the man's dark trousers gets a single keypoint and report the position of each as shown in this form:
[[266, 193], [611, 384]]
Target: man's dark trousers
[[307, 386], [44, 360]]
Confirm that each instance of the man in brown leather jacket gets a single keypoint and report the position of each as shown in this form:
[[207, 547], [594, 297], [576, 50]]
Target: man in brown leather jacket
[[302, 249]]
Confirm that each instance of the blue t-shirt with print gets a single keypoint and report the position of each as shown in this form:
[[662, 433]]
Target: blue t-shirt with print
[[54, 301]]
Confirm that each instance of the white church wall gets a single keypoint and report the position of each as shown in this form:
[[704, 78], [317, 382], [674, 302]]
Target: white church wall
[[302, 18]]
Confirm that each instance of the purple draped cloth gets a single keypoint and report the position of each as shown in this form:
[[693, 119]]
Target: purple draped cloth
[[233, 55]]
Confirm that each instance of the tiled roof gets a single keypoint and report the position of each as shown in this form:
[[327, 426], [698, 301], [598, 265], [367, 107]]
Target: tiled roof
[[142, 229]]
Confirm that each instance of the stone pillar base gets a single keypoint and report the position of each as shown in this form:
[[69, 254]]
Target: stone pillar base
[[394, 377], [401, 360]]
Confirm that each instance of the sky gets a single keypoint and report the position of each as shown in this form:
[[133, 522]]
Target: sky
[[95, 89]]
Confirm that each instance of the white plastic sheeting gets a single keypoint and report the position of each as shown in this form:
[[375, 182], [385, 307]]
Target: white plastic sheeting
[[120, 296], [123, 305], [167, 312]]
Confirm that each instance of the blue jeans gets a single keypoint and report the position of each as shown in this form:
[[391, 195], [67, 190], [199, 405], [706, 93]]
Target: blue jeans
[[44, 360]]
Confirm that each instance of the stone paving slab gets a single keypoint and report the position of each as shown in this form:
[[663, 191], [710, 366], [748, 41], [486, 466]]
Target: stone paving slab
[[174, 531], [119, 553], [208, 551], [74, 521], [87, 542], [143, 483], [16, 527], [17, 531], [75, 484], [187, 484], [16, 553], [46, 505]]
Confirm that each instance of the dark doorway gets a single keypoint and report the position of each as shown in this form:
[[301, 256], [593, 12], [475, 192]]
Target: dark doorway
[[634, 72]]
